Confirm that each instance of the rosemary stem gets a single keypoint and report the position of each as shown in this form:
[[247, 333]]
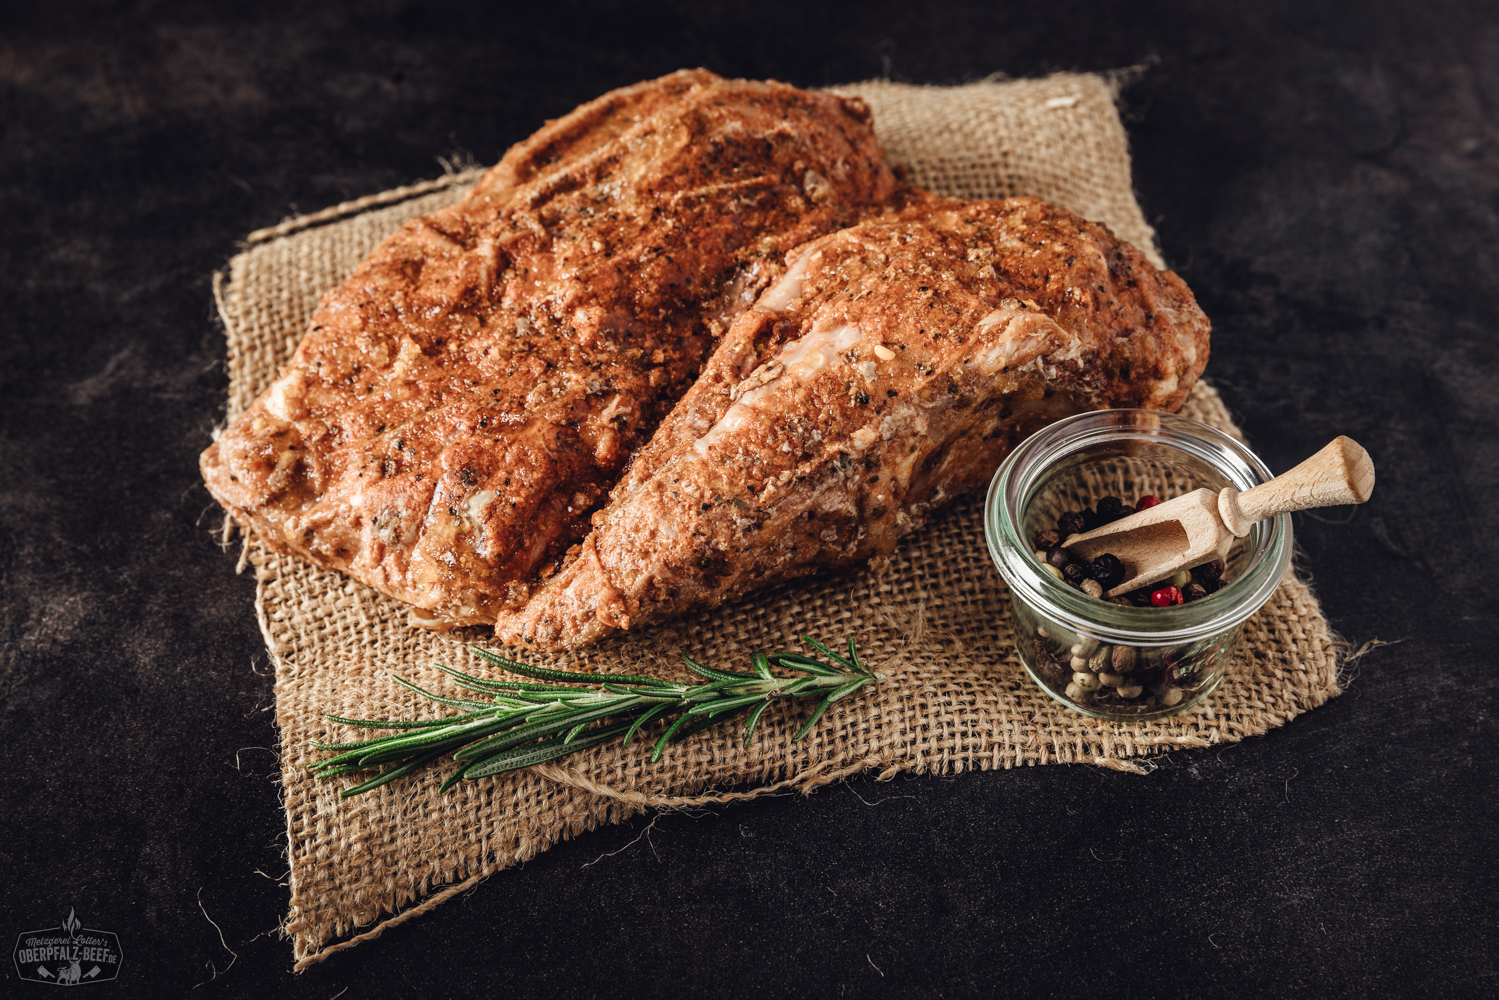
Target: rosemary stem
[[532, 722]]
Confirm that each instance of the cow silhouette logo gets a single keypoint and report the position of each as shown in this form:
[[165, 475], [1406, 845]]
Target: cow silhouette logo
[[68, 955]]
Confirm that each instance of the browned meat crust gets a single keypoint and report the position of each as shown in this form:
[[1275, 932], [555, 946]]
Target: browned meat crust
[[464, 401], [889, 370]]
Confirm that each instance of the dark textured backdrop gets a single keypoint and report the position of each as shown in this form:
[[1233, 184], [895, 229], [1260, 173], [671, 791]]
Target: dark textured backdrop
[[1328, 183]]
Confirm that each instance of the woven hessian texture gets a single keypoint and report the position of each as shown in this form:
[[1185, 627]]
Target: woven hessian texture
[[937, 623]]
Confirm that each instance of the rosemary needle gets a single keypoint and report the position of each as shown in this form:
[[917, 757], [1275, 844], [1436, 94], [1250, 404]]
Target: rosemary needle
[[528, 723]]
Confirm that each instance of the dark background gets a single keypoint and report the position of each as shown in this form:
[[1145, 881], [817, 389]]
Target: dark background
[[1326, 179]]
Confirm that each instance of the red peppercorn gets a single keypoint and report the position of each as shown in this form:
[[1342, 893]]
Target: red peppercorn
[[1165, 597], [1146, 502]]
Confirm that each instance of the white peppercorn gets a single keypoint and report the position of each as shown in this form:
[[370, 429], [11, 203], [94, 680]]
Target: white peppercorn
[[1085, 680], [1130, 690]]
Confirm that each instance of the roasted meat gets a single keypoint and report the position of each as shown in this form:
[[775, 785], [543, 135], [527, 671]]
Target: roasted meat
[[889, 370], [466, 399]]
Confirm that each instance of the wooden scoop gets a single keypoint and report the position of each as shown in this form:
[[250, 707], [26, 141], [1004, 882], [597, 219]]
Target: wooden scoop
[[1200, 526]]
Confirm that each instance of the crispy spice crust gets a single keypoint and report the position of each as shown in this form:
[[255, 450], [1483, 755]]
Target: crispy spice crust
[[464, 401], [889, 370]]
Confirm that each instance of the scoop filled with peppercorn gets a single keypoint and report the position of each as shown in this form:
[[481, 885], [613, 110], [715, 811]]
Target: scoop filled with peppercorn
[[1105, 571]]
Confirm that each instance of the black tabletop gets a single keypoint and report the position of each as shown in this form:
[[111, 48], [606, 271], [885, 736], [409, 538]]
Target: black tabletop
[[1327, 181]]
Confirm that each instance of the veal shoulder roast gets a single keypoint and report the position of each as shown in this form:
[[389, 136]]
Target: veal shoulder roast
[[465, 400], [888, 371]]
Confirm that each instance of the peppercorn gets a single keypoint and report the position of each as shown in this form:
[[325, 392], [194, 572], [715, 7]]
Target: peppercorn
[[1091, 519], [1092, 588], [1070, 523], [1209, 572], [1126, 511], [1107, 570], [1146, 502], [1048, 539], [1109, 509], [1165, 597], [1194, 592], [1051, 668], [1074, 572], [1180, 579], [1059, 557]]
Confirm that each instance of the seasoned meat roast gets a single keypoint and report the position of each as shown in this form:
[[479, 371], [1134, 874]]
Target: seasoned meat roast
[[889, 370], [467, 398]]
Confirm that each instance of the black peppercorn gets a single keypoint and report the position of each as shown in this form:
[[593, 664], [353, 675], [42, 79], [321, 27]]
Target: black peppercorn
[[1070, 523], [1048, 540], [1107, 570], [1109, 508], [1194, 592], [1074, 572], [1209, 572], [1126, 510], [1050, 666], [1091, 519], [1059, 557]]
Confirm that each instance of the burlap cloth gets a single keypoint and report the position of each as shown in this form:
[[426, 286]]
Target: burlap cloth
[[938, 623]]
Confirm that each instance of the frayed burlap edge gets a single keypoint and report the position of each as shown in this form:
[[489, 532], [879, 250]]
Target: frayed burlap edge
[[937, 623]]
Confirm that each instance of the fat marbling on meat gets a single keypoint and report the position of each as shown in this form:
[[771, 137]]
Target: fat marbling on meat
[[888, 371], [465, 400]]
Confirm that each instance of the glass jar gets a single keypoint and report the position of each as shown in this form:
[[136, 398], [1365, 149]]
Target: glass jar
[[1103, 659]]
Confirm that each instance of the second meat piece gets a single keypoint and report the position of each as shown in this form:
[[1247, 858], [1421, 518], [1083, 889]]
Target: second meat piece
[[890, 370]]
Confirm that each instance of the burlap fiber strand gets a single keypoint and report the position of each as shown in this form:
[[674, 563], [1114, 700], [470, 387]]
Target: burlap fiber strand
[[938, 623]]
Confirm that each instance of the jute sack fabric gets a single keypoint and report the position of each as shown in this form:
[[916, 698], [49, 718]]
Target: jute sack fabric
[[937, 623]]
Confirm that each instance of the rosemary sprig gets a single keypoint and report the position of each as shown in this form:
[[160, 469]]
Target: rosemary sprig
[[521, 724]]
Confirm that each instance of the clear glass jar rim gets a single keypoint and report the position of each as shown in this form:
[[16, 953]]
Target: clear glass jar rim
[[1011, 551]]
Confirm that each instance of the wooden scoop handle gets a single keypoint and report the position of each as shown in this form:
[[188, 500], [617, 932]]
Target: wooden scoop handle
[[1340, 473]]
